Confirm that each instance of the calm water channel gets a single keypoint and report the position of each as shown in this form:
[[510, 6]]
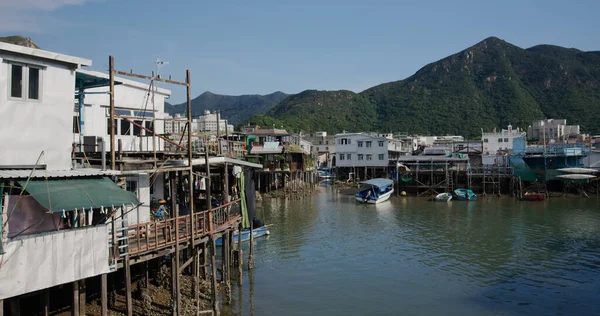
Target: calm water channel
[[408, 256]]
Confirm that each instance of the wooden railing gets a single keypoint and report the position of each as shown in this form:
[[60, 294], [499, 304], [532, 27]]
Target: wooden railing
[[150, 236]]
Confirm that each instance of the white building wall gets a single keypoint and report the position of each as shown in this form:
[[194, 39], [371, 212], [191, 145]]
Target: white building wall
[[29, 127], [128, 96], [351, 148], [503, 140], [42, 261]]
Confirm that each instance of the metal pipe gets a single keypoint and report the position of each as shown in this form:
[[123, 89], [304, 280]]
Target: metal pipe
[[103, 152], [111, 69]]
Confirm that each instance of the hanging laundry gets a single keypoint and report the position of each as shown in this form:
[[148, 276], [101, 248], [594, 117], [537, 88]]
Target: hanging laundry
[[90, 216], [203, 184], [75, 218]]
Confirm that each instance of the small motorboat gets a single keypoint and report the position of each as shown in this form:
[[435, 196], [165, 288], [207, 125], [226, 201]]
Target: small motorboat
[[465, 195], [324, 173], [443, 197], [534, 196], [375, 191], [256, 232]]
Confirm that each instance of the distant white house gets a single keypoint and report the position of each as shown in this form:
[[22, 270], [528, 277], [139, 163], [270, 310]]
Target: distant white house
[[36, 106], [133, 100], [364, 150], [208, 123], [495, 142]]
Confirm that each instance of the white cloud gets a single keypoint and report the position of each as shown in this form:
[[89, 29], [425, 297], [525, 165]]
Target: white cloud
[[46, 5], [31, 15]]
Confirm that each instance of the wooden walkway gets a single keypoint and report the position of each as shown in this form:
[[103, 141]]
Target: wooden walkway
[[158, 235]]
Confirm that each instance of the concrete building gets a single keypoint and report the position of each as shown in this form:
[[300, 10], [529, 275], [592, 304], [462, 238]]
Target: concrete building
[[36, 104], [208, 123], [553, 130], [497, 146], [364, 150], [132, 101], [323, 147]]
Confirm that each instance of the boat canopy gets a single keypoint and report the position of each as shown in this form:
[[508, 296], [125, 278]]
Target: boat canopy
[[380, 183]]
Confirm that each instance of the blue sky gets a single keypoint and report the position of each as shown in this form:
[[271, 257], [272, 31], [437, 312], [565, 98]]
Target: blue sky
[[248, 47]]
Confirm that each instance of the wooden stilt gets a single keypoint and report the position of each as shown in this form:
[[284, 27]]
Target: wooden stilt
[[240, 255], [103, 295], [146, 274], [226, 266], [44, 303], [197, 278], [177, 265], [75, 307], [1, 307], [251, 255], [174, 284], [204, 261], [15, 306], [213, 263], [82, 298], [127, 265]]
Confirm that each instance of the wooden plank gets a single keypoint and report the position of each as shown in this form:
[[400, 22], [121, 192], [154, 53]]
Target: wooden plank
[[185, 264], [130, 74]]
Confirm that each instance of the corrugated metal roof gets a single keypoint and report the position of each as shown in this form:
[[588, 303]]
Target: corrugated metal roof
[[24, 173]]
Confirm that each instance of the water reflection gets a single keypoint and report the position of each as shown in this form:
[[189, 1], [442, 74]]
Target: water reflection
[[328, 255]]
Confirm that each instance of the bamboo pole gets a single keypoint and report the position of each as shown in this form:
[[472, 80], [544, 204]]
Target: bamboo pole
[[82, 297], [240, 255], [75, 307], [111, 71]]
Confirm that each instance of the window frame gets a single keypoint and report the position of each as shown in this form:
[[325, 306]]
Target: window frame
[[359, 143], [368, 144], [361, 157], [380, 143], [381, 156], [369, 157], [25, 81]]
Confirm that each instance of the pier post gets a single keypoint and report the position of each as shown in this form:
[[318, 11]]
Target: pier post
[[173, 285], [82, 297], [44, 302], [204, 250], [75, 307], [128, 286], [226, 266], [1, 307], [103, 295], [15, 306], [239, 253], [213, 264], [251, 255]]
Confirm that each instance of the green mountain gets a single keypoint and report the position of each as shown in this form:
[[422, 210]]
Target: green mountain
[[235, 109], [490, 84], [313, 110], [19, 40]]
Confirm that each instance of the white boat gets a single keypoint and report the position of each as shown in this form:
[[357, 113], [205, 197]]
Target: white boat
[[443, 197], [576, 176], [578, 170], [375, 191]]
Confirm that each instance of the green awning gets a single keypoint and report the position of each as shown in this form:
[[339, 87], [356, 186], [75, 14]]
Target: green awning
[[71, 194]]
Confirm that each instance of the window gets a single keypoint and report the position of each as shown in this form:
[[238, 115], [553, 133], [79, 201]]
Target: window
[[108, 126], [381, 156], [16, 81], [359, 143], [360, 156], [318, 149], [150, 126], [136, 129], [368, 145], [326, 142], [380, 143], [499, 140], [320, 142], [369, 157], [34, 83], [485, 140], [506, 140], [125, 127], [326, 148], [25, 81], [349, 156], [342, 157]]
